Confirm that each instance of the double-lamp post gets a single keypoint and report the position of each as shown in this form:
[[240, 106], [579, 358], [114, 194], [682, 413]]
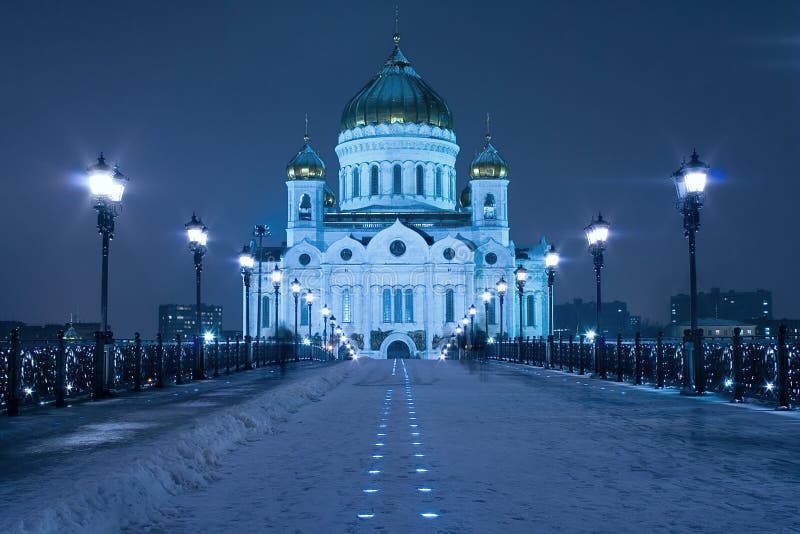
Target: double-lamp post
[[690, 183]]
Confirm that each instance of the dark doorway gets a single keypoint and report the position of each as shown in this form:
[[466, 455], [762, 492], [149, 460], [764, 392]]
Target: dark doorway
[[397, 349]]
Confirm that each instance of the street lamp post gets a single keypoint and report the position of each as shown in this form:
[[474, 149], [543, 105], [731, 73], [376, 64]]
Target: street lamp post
[[459, 330], [597, 235], [309, 302], [246, 262], [338, 332], [690, 183], [521, 275], [550, 262], [276, 276], [473, 311], [106, 186], [486, 297], [260, 231], [296, 288], [333, 326], [501, 286], [325, 313], [197, 233]]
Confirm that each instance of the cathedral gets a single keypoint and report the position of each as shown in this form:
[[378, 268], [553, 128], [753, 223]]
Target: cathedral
[[400, 257]]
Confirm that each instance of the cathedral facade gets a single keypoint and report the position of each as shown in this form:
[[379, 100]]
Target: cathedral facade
[[401, 256]]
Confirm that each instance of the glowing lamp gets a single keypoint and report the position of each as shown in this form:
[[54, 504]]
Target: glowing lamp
[[197, 232], [691, 178], [597, 231], [501, 286], [246, 260], [465, 321], [459, 330], [590, 335], [276, 276], [325, 311], [208, 337], [309, 297], [473, 310], [296, 287], [106, 184], [521, 274], [551, 258], [486, 296]]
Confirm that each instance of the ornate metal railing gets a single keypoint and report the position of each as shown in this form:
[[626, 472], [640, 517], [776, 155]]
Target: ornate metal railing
[[137, 364], [769, 367]]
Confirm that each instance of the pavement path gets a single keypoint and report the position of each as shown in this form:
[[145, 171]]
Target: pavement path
[[444, 446]]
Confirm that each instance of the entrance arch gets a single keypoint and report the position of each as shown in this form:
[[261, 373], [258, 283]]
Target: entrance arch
[[398, 345], [397, 350]]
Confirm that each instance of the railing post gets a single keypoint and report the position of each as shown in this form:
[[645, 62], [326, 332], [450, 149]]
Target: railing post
[[571, 354], [60, 392], [581, 339], [237, 353], [12, 388], [619, 357], [137, 362], [97, 369], [160, 359], [179, 354], [738, 378], [637, 353], [660, 361], [783, 370], [216, 357], [228, 356], [560, 352]]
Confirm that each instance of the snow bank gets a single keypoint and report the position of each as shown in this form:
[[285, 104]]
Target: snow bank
[[131, 495]]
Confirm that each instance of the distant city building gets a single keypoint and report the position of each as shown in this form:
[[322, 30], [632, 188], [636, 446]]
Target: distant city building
[[713, 328], [180, 319], [742, 306], [579, 317], [49, 332], [770, 327]]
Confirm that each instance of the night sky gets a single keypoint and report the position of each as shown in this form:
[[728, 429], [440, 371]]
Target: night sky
[[593, 104]]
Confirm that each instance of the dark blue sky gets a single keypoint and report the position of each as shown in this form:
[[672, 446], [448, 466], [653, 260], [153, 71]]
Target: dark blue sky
[[593, 103]]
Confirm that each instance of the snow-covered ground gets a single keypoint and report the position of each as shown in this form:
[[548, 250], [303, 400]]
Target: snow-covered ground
[[409, 446]]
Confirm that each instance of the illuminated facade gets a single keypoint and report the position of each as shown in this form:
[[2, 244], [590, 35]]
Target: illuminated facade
[[401, 256]]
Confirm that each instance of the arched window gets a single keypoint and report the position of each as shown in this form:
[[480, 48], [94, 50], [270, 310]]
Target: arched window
[[397, 180], [409, 317], [398, 305], [303, 313], [529, 312], [374, 182], [356, 189], [265, 312], [437, 186], [489, 207], [387, 305], [347, 310], [305, 208], [420, 180], [452, 186], [492, 312], [449, 306]]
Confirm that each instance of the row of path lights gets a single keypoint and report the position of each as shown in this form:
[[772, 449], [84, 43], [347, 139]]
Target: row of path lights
[[107, 186], [197, 233]]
